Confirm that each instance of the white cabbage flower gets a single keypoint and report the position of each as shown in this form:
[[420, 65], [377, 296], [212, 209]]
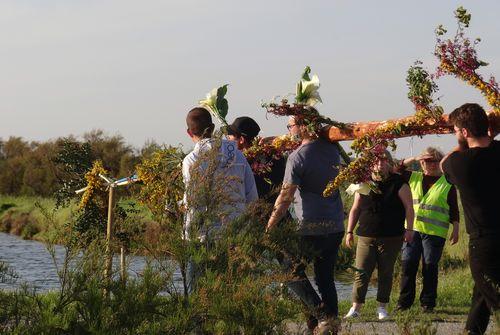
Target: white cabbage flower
[[216, 103], [361, 188], [310, 90], [210, 100]]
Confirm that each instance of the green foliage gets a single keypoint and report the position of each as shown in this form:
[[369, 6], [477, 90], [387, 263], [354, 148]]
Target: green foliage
[[462, 16], [440, 30], [25, 168], [420, 85], [221, 102], [305, 74], [7, 275], [56, 167], [408, 325], [74, 159]]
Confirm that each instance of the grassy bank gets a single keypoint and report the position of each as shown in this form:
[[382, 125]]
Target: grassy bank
[[36, 218], [26, 216]]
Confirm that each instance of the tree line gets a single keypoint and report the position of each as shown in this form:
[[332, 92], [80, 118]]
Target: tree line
[[31, 168]]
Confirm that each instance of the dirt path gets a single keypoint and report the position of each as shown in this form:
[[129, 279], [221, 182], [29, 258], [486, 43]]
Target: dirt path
[[391, 328], [383, 328]]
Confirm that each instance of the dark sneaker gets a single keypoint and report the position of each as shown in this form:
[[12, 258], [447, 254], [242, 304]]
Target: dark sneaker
[[312, 323], [427, 309], [330, 326], [400, 308]]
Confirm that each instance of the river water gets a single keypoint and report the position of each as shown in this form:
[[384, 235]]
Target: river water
[[34, 265]]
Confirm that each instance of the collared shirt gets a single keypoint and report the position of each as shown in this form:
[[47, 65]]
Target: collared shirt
[[232, 171]]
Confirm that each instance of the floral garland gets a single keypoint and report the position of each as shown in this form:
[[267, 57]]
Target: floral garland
[[458, 57], [95, 183], [371, 147], [261, 156]]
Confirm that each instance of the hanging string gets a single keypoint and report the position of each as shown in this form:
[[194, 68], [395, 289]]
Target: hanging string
[[411, 146]]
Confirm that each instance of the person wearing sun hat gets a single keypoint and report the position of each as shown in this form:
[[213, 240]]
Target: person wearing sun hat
[[436, 208]]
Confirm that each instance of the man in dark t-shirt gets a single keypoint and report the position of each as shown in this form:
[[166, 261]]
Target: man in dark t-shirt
[[474, 168]]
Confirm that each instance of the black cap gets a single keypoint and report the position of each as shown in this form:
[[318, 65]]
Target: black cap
[[244, 126]]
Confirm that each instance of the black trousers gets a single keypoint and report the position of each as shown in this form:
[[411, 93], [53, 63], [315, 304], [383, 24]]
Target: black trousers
[[322, 250], [484, 254]]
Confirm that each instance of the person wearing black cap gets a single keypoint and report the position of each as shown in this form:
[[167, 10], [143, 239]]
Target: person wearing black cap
[[243, 131]]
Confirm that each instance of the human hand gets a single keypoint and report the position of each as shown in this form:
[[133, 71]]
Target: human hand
[[269, 227], [424, 157], [349, 240], [408, 236]]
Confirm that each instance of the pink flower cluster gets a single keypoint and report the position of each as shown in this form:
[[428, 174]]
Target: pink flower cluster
[[459, 53]]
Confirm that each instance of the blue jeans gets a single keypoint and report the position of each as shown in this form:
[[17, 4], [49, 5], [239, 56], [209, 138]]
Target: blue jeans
[[322, 250], [429, 248]]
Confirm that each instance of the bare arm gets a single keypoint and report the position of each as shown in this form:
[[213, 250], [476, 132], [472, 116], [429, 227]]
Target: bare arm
[[281, 205], [353, 220], [404, 194]]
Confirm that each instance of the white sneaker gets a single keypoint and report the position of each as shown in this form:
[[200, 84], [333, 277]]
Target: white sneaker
[[351, 314], [382, 313]]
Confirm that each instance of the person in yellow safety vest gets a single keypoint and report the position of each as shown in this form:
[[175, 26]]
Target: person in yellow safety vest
[[436, 208]]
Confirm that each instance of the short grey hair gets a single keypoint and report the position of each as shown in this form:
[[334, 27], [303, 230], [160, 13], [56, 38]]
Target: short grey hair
[[434, 152]]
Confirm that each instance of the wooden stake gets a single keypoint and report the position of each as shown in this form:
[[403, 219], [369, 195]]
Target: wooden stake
[[109, 237], [123, 273]]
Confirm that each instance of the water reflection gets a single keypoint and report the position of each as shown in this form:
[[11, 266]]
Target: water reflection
[[34, 265]]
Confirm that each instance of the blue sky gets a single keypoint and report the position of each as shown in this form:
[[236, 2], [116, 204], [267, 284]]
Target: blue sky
[[136, 68]]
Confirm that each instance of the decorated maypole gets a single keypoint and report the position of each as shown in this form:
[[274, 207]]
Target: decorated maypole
[[457, 57]]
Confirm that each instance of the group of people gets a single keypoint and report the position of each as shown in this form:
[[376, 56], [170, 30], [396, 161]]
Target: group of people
[[406, 211]]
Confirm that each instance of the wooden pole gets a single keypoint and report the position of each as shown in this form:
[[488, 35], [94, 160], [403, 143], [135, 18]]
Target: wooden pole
[[123, 273], [442, 126], [359, 129], [109, 237]]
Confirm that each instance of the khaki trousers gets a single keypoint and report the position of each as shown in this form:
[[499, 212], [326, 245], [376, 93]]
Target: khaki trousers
[[370, 252]]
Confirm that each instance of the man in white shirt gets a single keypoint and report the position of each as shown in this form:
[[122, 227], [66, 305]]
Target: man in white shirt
[[216, 166]]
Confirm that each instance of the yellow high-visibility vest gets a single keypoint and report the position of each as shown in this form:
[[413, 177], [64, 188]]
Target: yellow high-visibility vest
[[432, 212]]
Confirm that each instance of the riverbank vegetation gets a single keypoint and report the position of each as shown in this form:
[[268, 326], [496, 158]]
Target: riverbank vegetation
[[242, 288], [254, 293]]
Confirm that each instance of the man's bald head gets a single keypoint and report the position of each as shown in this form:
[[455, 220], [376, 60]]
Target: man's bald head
[[199, 122]]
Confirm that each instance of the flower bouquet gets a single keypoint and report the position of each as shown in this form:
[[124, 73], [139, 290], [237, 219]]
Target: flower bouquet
[[306, 97]]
